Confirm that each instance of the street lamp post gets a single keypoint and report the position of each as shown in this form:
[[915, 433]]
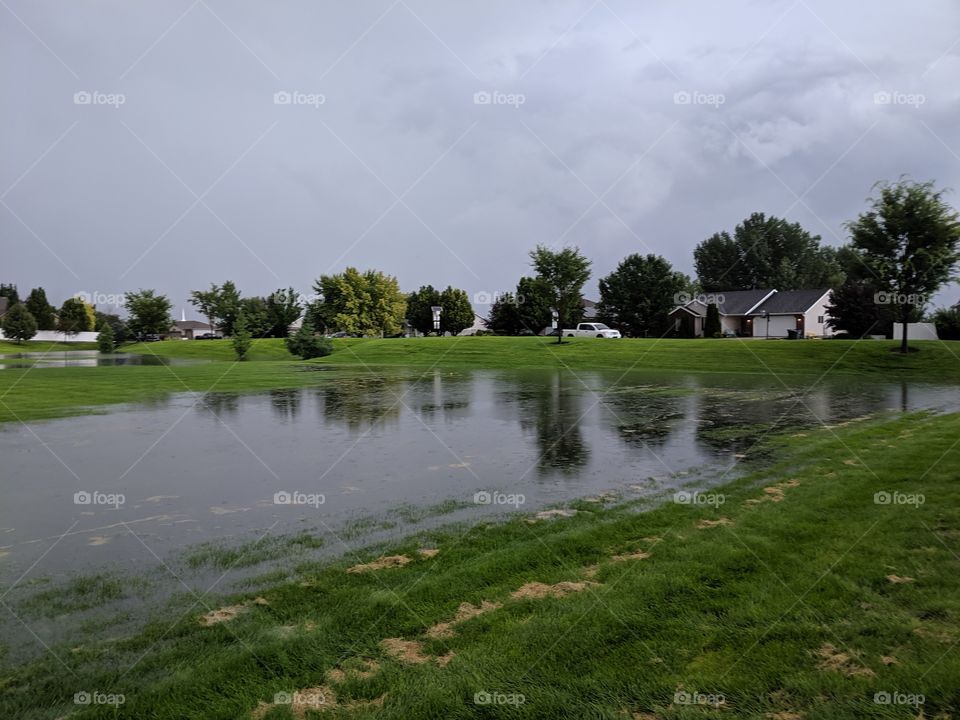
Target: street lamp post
[[436, 317]]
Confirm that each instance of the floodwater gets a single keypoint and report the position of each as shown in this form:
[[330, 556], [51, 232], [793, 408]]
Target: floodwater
[[83, 358], [145, 482]]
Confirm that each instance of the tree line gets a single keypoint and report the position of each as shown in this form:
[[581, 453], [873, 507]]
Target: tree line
[[902, 250]]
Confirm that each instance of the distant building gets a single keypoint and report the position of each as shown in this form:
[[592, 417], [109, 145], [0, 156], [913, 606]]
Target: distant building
[[758, 313], [189, 329]]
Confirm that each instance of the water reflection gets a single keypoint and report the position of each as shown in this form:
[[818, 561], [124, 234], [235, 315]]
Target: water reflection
[[286, 404], [85, 358], [553, 412], [362, 403]]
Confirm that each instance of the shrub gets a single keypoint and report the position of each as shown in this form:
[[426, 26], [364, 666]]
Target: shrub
[[305, 343]]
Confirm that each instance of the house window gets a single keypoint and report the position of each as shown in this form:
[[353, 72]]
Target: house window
[[819, 319]]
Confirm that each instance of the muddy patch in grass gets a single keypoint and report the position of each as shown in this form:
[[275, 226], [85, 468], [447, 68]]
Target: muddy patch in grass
[[538, 590], [388, 561]]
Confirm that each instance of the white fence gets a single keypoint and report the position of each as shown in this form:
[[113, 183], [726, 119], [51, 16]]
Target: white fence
[[916, 331], [53, 336]]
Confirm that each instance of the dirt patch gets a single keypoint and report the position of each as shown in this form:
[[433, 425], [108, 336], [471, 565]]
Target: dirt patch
[[899, 580], [362, 669], [834, 659], [406, 651], [774, 493], [318, 699], [635, 555], [538, 590], [889, 660], [591, 571], [388, 561], [719, 522], [784, 716], [428, 552], [224, 614], [938, 634], [465, 612]]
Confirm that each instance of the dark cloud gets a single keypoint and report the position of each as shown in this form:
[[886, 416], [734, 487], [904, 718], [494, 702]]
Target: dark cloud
[[440, 141]]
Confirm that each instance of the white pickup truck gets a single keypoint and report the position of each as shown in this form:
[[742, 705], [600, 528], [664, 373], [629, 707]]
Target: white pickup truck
[[592, 329]]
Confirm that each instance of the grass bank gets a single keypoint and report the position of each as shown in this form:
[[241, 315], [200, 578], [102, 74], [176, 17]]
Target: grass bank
[[798, 592], [6, 346], [42, 393]]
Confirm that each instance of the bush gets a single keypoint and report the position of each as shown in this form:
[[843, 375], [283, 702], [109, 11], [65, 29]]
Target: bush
[[305, 343], [19, 324], [105, 340], [712, 327], [948, 323]]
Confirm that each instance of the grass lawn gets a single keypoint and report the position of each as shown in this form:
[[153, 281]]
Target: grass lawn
[[36, 394], [798, 597], [7, 346]]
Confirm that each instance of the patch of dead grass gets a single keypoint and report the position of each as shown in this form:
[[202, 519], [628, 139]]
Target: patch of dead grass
[[834, 659], [706, 524], [538, 590], [383, 563], [465, 612]]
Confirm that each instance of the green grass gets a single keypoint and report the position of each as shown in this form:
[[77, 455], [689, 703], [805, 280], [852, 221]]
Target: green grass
[[6, 346], [746, 611], [42, 393]]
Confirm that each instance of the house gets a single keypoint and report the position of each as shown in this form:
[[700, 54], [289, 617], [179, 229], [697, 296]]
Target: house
[[189, 330], [758, 313], [478, 324], [589, 310]]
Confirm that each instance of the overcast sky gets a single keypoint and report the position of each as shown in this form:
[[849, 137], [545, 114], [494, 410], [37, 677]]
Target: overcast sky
[[145, 144]]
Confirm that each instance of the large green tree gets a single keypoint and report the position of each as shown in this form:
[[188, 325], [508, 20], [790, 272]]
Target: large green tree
[[638, 296], [9, 291], [18, 323], [504, 316], [534, 299], [419, 304], [117, 324], [564, 272], [41, 309], [362, 303], [255, 315], [75, 316], [457, 313], [765, 252], [909, 239], [283, 309], [149, 313]]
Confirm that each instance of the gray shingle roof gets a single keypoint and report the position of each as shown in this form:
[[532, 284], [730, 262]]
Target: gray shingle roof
[[791, 302]]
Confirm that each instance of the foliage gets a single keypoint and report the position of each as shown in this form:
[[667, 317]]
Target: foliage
[[765, 252], [457, 313], [283, 309], [504, 315], [118, 325], [105, 339], [368, 303], [947, 321], [564, 272], [42, 310], [149, 313], [908, 239], [306, 344], [241, 339], [18, 323], [9, 291], [255, 315], [711, 326], [534, 305], [638, 296], [419, 314], [75, 316]]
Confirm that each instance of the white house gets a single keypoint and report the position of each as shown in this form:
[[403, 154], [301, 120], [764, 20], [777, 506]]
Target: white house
[[759, 313]]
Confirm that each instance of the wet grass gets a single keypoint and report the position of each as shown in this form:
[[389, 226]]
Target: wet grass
[[225, 556], [43, 393], [777, 603]]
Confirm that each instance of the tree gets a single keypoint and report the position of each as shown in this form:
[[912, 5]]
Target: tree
[[149, 313], [564, 272], [638, 296], [254, 311], [305, 344], [241, 338], [283, 309], [105, 340], [711, 326], [206, 301], [75, 316], [457, 314], [368, 303], [18, 323], [765, 252], [534, 305], [419, 304], [118, 325], [42, 310], [908, 240], [9, 291], [947, 321], [504, 317]]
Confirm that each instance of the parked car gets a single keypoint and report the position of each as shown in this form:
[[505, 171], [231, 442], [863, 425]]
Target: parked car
[[592, 329], [149, 338], [207, 336]]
